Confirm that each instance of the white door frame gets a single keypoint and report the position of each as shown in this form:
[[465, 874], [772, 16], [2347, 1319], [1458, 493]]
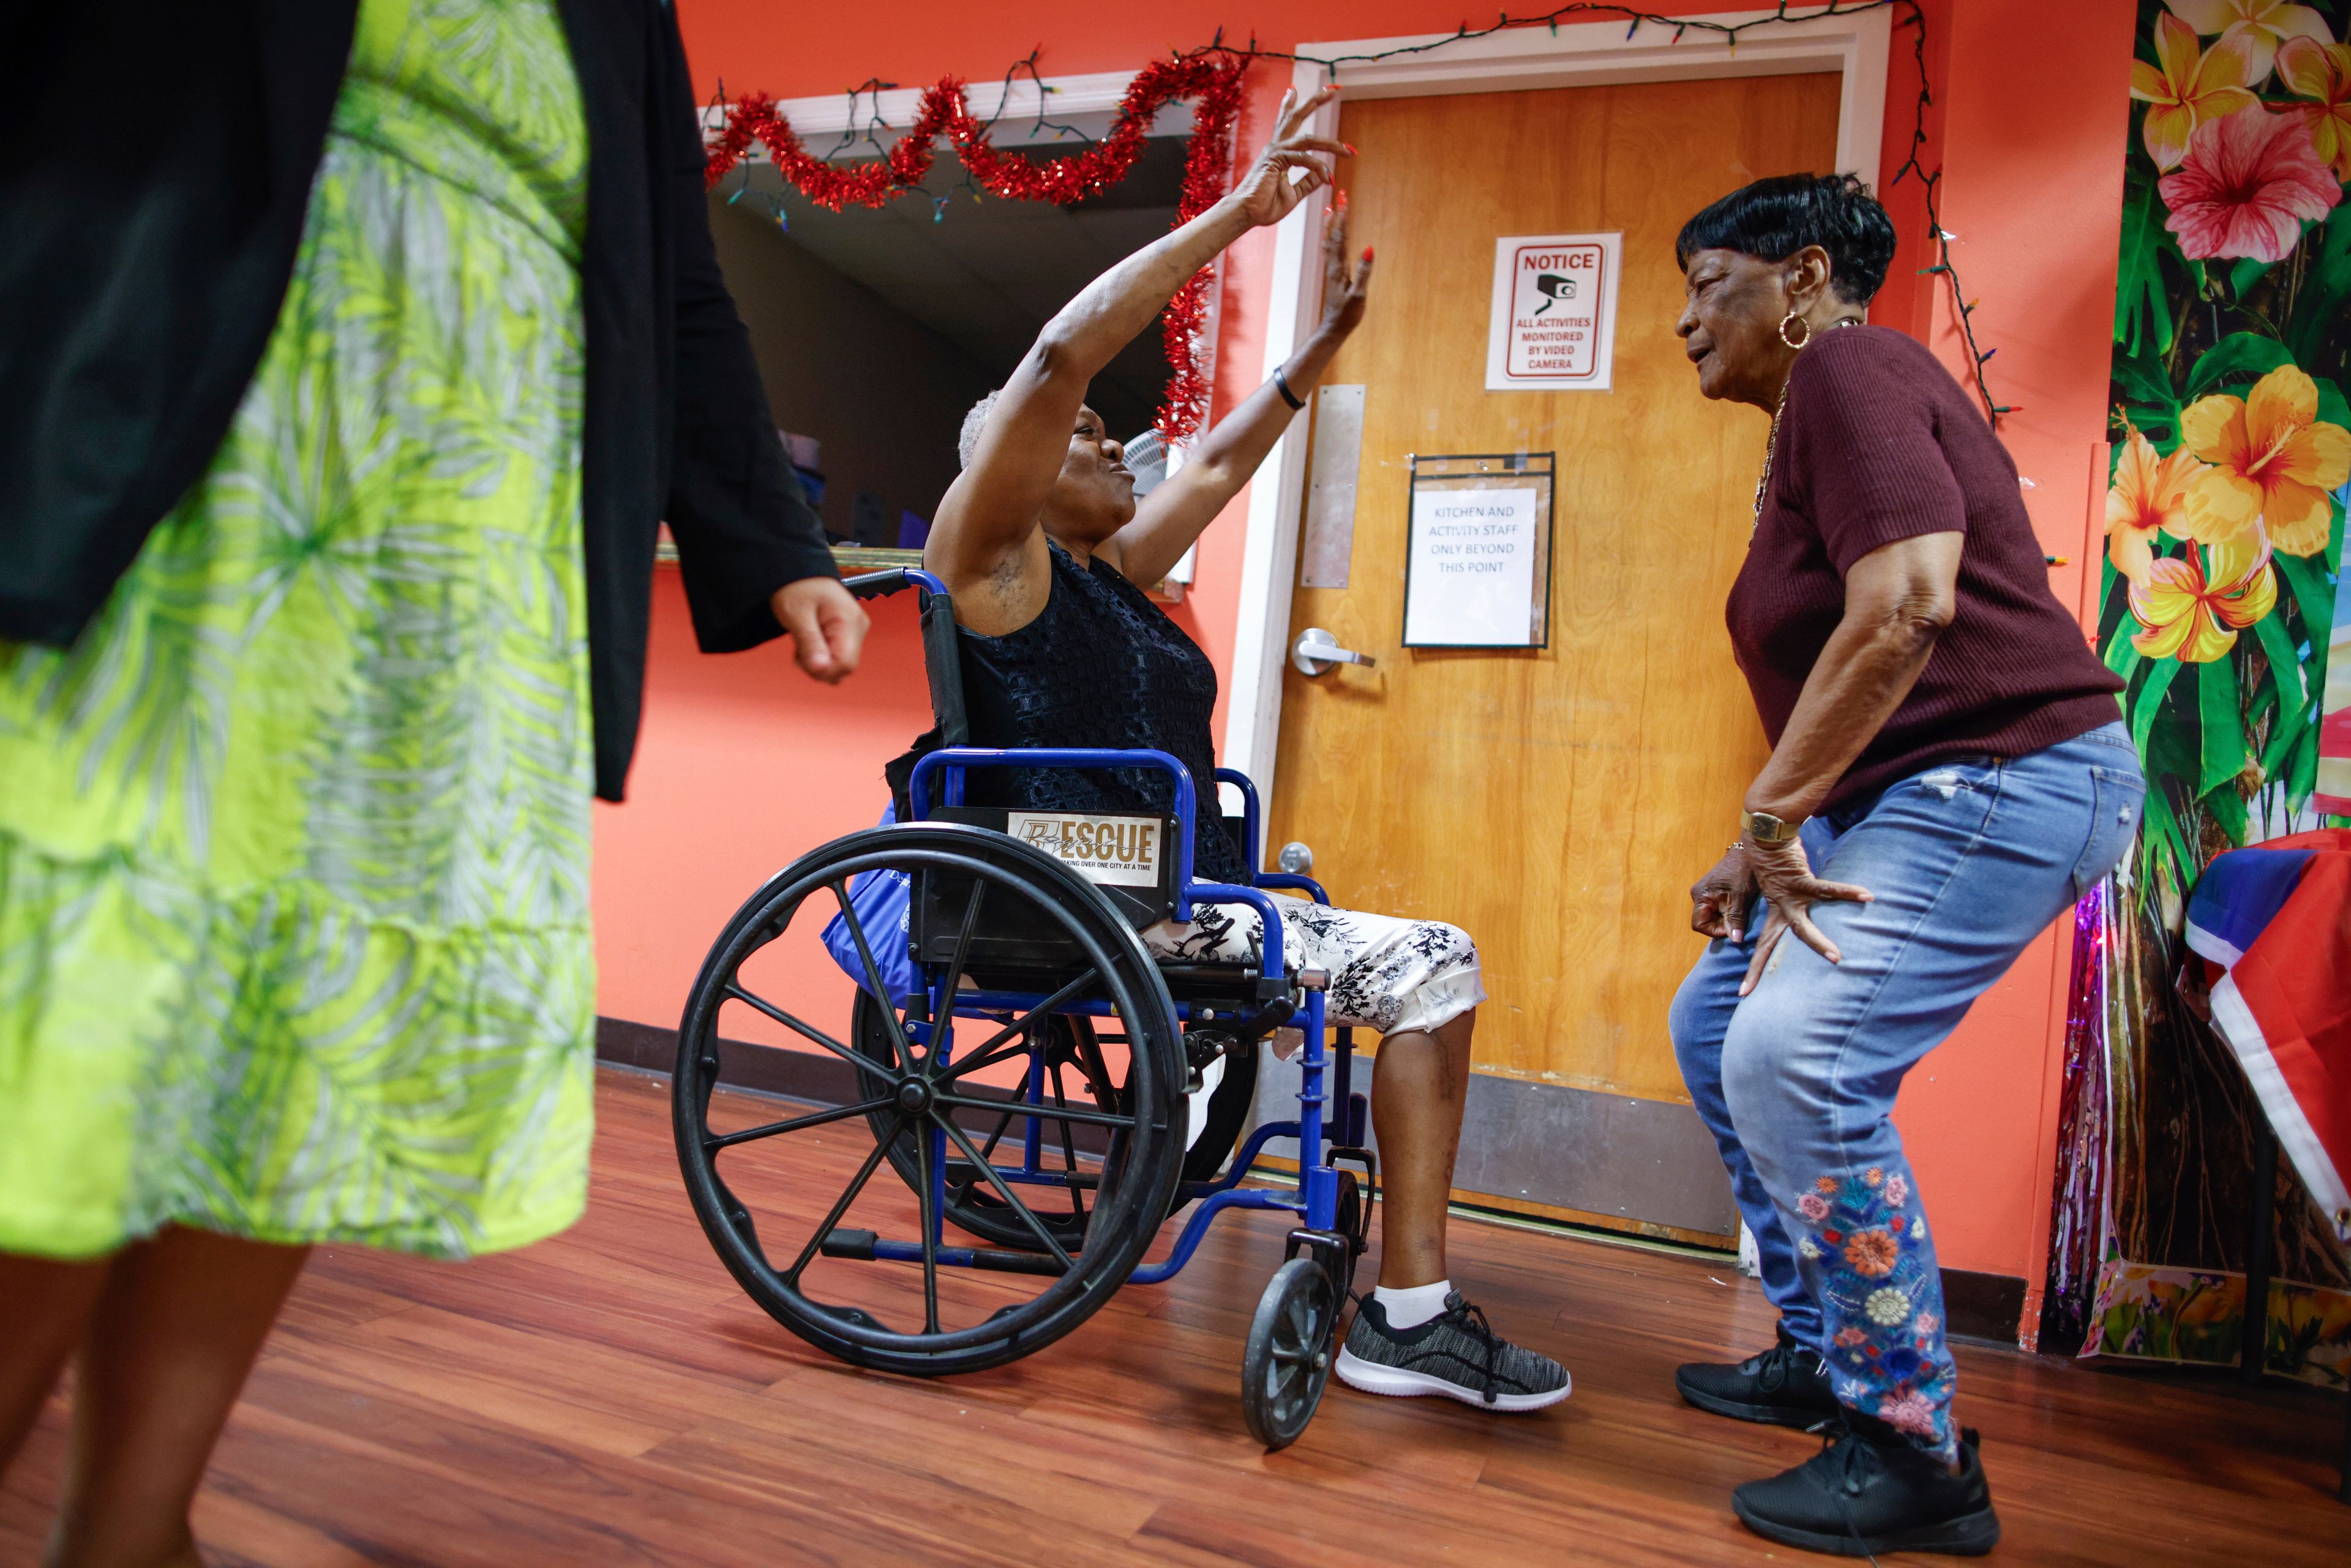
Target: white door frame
[[1519, 60]]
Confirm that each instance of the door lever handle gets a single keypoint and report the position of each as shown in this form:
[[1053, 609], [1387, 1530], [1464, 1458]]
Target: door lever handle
[[1316, 650]]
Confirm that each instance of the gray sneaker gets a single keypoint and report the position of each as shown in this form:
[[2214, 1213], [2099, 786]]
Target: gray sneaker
[[1454, 1354]]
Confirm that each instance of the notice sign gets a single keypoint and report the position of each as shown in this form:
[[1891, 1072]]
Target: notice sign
[[1121, 852], [1553, 327], [1470, 574]]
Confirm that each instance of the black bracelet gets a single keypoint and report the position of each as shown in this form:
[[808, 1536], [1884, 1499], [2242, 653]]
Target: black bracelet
[[1281, 385]]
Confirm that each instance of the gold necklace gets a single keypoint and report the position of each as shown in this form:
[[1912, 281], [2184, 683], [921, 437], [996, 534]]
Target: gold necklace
[[1771, 442]]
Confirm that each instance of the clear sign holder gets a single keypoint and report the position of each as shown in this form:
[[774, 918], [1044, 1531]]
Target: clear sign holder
[[1486, 543]]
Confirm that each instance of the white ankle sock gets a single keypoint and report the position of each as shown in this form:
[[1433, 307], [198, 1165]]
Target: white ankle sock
[[1413, 1306]]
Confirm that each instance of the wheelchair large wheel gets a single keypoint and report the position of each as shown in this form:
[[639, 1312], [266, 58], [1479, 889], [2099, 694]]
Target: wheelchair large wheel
[[865, 1270]]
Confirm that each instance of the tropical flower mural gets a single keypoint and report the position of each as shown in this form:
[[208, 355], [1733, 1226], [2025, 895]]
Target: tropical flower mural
[[2229, 474]]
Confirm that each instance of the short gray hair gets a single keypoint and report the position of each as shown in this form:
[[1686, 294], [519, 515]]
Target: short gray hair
[[974, 422]]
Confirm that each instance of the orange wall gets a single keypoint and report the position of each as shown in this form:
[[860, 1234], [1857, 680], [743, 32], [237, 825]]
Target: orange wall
[[744, 765]]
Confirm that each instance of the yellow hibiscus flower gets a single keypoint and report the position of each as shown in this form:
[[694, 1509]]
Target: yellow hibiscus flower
[[2195, 617], [2322, 73], [2192, 87], [2149, 493], [2273, 460], [2263, 24]]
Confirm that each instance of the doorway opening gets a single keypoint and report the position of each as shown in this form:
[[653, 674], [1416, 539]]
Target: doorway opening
[[877, 328]]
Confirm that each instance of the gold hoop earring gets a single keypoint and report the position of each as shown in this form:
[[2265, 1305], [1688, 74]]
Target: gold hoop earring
[[1794, 342]]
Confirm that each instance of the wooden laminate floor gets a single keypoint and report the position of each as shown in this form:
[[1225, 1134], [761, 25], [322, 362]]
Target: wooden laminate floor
[[609, 1397]]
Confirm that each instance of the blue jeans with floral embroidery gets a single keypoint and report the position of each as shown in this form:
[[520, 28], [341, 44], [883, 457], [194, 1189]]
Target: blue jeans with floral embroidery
[[1969, 860]]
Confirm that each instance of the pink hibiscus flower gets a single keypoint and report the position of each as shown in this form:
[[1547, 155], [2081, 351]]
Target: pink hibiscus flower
[[1813, 1206], [1897, 1191], [1926, 1323], [2249, 180], [1911, 1413]]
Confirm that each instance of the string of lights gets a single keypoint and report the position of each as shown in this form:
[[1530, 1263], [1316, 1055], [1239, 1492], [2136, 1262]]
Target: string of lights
[[904, 162]]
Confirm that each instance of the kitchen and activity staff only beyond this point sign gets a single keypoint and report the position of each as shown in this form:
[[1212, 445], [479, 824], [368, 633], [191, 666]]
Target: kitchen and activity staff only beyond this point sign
[[1477, 554], [1553, 327]]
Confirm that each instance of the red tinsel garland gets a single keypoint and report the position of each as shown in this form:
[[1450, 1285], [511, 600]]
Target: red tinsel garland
[[1212, 80]]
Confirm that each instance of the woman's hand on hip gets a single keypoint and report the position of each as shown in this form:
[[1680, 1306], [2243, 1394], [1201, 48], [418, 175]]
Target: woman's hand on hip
[[826, 624], [1267, 192], [1784, 875], [1719, 900]]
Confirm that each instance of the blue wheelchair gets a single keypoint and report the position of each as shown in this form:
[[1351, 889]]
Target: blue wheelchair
[[1045, 1092]]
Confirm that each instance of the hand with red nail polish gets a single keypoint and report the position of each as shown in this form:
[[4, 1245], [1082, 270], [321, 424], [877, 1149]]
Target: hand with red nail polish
[[1345, 289]]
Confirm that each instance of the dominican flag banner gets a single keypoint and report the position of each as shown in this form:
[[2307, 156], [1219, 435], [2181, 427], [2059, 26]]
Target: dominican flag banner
[[2276, 918], [2331, 793]]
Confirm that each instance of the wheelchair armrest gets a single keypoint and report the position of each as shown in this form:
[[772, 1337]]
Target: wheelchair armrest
[[1290, 884]]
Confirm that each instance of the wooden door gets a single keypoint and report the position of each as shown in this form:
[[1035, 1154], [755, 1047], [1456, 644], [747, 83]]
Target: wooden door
[[1556, 803]]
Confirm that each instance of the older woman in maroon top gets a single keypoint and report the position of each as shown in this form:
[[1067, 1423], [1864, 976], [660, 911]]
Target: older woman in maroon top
[[1947, 774]]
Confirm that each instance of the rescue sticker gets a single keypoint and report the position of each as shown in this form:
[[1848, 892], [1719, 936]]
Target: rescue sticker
[[1118, 851]]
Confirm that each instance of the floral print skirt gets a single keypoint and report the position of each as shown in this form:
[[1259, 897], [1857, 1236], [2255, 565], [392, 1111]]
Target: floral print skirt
[[294, 841]]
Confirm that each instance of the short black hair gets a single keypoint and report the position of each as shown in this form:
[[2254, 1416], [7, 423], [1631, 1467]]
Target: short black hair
[[1774, 219]]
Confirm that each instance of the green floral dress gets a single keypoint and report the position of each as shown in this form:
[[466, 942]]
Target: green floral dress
[[293, 842]]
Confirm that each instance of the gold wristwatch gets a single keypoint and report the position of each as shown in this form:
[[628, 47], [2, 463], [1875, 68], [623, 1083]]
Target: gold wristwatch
[[1766, 829]]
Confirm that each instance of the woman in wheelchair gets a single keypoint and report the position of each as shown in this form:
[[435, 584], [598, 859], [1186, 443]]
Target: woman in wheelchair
[[1044, 550]]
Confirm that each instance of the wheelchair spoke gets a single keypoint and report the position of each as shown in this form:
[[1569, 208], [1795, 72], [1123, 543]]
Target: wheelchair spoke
[[945, 1009], [1019, 1028], [931, 1221], [1069, 1147], [848, 1195], [1064, 1115], [809, 1030], [1004, 1189], [1090, 1057], [996, 1138], [716, 1141], [880, 992]]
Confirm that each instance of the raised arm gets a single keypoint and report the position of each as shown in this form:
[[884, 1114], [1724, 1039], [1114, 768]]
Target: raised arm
[[985, 539], [1168, 519]]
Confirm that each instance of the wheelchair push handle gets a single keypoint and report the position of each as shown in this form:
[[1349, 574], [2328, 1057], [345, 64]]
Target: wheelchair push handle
[[896, 580]]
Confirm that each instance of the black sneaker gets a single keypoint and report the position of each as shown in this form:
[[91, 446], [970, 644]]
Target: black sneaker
[[1786, 1386], [1867, 1493], [1454, 1354]]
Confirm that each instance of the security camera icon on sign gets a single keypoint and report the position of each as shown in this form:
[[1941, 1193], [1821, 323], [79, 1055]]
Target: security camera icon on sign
[[1553, 287]]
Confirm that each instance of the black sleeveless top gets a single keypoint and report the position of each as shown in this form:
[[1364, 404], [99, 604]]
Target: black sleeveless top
[[1101, 666]]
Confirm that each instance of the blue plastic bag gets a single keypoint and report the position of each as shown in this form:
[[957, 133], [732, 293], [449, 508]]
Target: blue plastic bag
[[883, 900]]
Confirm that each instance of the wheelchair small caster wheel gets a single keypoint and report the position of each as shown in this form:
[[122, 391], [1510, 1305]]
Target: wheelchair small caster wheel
[[1291, 1343]]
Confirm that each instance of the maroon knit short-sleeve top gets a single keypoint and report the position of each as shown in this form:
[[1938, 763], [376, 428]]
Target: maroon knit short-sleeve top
[[1878, 443]]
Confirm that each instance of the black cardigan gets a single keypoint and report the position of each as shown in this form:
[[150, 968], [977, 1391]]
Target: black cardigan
[[155, 168]]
